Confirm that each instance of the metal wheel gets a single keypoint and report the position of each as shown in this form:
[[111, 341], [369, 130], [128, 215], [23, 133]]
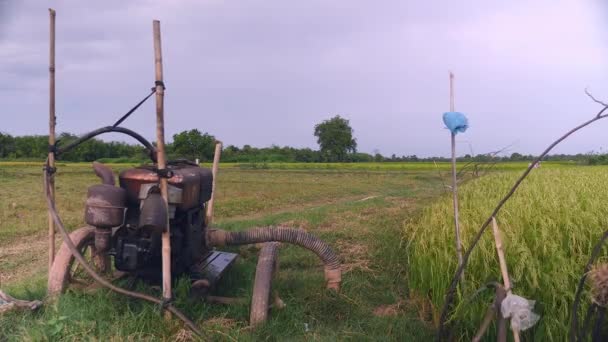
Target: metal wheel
[[66, 270], [262, 287]]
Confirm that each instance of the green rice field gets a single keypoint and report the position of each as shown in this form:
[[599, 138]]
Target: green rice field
[[549, 228]]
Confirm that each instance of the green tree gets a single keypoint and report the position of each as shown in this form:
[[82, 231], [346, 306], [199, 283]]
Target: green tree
[[335, 139], [517, 156], [7, 145], [192, 144], [31, 146]]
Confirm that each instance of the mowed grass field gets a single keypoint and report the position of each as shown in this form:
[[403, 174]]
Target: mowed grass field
[[359, 212], [392, 228]]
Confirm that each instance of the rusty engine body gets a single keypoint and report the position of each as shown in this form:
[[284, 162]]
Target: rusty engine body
[[129, 218]]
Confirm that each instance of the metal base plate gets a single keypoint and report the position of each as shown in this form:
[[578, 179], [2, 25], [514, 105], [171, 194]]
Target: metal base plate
[[212, 267]]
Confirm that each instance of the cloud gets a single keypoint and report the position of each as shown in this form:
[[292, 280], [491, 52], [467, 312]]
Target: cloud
[[541, 34], [263, 72]]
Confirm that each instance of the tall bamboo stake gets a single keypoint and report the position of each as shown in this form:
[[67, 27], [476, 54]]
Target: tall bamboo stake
[[454, 181], [162, 164], [216, 163], [52, 122], [503, 267], [451, 91]]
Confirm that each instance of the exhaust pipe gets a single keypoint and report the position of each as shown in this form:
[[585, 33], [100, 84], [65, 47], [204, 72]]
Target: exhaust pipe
[[105, 173]]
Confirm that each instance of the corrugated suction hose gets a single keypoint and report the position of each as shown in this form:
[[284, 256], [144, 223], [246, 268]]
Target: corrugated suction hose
[[333, 273]]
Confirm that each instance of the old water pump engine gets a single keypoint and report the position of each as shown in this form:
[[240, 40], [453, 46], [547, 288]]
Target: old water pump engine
[[126, 221], [137, 211]]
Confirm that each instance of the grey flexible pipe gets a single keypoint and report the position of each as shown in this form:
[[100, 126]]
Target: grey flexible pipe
[[333, 273], [66, 239]]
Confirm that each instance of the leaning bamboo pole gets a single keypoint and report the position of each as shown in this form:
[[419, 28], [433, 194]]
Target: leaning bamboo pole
[[503, 267], [161, 161], [52, 122], [214, 170], [454, 181]]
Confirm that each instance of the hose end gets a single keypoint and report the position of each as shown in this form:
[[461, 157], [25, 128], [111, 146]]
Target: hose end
[[333, 276], [216, 237]]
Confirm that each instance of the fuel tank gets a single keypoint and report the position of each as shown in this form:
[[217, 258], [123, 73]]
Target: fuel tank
[[195, 182]]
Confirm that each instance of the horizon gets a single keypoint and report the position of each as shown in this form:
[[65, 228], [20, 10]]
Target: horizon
[[505, 152], [265, 73]]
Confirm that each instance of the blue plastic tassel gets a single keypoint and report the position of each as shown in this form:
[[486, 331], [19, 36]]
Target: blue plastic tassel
[[456, 122]]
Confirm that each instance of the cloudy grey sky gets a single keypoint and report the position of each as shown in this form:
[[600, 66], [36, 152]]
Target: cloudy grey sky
[[265, 72]]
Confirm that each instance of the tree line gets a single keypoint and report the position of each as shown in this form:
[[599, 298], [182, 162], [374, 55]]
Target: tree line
[[335, 137], [191, 144]]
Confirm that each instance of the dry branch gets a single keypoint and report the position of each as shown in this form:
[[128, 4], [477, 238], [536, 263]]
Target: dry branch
[[594, 99]]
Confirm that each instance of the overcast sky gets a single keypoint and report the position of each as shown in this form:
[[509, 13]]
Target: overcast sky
[[265, 72]]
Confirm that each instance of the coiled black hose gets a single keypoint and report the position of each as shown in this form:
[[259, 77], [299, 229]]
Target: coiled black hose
[[333, 273], [109, 129]]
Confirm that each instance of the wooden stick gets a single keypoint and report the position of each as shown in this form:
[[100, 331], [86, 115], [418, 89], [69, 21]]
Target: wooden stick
[[162, 164], [52, 122], [225, 300], [490, 314], [503, 267], [214, 170], [455, 203], [454, 182]]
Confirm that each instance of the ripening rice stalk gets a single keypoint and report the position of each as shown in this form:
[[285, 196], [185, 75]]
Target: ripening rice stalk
[[550, 226]]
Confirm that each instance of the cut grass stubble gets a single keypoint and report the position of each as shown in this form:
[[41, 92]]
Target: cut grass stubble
[[365, 233]]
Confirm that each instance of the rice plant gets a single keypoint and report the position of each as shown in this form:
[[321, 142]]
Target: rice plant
[[550, 226]]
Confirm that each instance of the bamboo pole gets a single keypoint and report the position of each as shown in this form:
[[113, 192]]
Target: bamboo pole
[[161, 161], [454, 181], [451, 91], [503, 267], [52, 123], [485, 324], [214, 170]]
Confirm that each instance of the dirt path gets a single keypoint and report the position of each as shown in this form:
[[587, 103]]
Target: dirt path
[[297, 207]]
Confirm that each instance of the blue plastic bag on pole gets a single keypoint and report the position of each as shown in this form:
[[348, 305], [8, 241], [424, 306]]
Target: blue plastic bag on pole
[[456, 122]]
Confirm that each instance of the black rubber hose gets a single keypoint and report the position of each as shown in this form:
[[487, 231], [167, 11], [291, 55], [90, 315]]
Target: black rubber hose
[[288, 235], [66, 239], [109, 129]]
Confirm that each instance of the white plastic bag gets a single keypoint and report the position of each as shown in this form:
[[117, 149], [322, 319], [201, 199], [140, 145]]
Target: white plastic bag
[[520, 311]]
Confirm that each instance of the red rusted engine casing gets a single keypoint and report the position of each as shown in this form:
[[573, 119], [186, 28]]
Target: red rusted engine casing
[[195, 183]]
